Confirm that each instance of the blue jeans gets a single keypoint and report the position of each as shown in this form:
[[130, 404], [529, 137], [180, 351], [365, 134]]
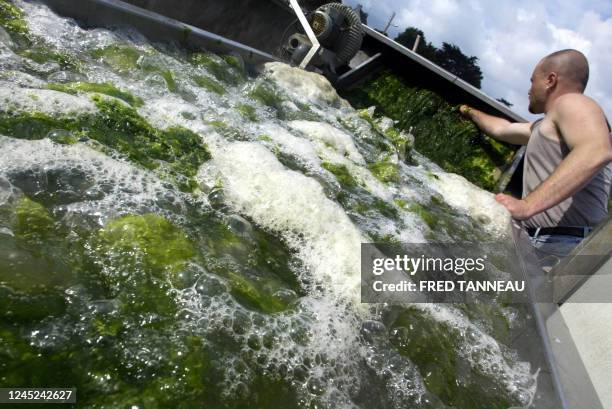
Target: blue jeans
[[551, 248]]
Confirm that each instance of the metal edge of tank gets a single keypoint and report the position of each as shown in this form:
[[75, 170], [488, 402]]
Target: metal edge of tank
[[156, 27], [568, 375]]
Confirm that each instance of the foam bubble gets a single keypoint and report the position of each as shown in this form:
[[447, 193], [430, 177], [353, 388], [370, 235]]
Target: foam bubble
[[476, 203], [53, 103], [330, 136], [103, 187], [304, 86], [301, 148], [256, 184]]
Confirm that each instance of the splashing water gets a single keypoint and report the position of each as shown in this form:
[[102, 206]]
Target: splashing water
[[177, 233]]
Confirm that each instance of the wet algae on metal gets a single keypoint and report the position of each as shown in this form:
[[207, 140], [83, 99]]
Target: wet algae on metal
[[440, 133]]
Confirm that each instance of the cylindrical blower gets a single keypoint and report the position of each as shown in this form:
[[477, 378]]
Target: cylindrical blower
[[338, 29]]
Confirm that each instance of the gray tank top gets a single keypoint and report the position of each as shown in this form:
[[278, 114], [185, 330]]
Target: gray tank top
[[587, 207]]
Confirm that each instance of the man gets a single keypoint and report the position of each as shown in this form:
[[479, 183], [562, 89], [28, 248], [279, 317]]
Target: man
[[566, 180]]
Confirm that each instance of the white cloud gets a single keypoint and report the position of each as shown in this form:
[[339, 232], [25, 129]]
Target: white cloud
[[510, 37]]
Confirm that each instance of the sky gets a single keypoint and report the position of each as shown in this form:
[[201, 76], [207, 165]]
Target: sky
[[509, 37]]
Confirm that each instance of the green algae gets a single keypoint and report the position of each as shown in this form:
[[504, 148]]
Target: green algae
[[21, 306], [268, 95], [113, 353], [253, 295], [232, 61], [375, 204], [42, 53], [489, 316], [248, 111], [105, 88], [104, 376], [386, 171], [256, 265], [423, 212], [189, 116], [170, 81], [440, 132], [341, 173], [120, 127], [63, 137], [445, 223], [31, 125], [226, 70], [183, 380], [33, 222], [399, 140], [162, 247], [12, 19], [37, 263], [140, 257], [432, 346], [122, 58], [218, 124], [209, 84], [29, 46]]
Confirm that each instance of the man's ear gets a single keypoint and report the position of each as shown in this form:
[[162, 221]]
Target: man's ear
[[551, 80]]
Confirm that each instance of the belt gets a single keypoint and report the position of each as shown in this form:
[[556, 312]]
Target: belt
[[562, 230]]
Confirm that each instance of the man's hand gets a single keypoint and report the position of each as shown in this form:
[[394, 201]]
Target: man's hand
[[498, 128], [519, 209], [465, 110]]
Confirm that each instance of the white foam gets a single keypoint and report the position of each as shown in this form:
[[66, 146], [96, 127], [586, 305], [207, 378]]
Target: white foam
[[291, 144], [307, 87], [53, 103], [116, 187], [473, 201], [329, 135], [256, 184]]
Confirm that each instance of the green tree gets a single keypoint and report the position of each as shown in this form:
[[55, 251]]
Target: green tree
[[452, 59], [408, 37]]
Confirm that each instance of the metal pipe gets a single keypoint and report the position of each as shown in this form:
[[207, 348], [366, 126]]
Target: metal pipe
[[311, 35], [416, 43]]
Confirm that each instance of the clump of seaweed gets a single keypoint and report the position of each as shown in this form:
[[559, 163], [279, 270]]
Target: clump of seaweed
[[439, 131], [119, 126], [100, 88]]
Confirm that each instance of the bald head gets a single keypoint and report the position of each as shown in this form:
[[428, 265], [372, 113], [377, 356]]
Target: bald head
[[571, 66]]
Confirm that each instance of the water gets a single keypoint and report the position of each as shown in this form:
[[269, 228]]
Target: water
[[177, 233]]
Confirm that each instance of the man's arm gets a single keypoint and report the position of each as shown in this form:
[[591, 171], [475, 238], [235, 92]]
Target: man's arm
[[582, 125], [498, 128]]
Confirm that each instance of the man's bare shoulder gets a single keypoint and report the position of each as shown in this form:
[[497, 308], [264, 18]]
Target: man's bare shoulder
[[579, 118], [575, 103]]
